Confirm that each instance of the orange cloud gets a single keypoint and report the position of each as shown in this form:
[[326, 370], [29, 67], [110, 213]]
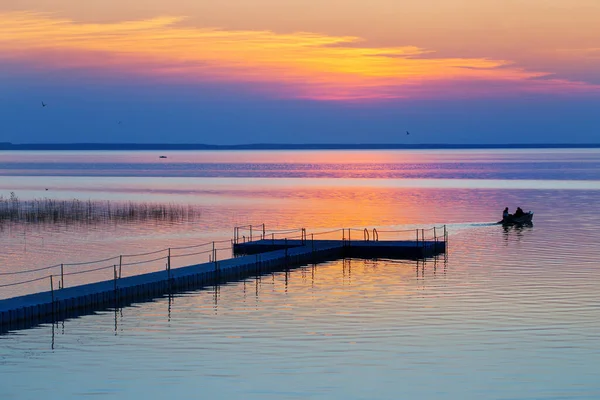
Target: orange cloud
[[302, 65]]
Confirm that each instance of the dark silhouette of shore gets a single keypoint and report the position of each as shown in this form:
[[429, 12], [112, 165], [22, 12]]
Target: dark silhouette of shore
[[281, 146]]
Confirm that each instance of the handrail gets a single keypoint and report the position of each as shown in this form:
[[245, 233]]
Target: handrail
[[283, 230], [303, 236], [89, 270], [421, 234], [89, 262], [398, 231], [327, 232], [236, 231], [188, 247], [145, 254], [144, 261], [23, 282], [191, 254], [29, 270], [118, 263]]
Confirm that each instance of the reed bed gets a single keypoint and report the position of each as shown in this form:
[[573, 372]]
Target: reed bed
[[46, 210]]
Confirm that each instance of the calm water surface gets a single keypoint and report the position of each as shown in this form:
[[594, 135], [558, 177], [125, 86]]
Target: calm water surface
[[509, 314]]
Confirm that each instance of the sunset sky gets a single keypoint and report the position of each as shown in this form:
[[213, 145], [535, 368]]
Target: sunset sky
[[298, 71]]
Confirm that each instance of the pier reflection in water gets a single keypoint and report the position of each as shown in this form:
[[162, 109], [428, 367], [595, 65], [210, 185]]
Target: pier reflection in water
[[171, 305]]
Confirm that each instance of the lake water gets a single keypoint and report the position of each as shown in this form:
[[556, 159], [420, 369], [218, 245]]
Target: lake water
[[508, 314]]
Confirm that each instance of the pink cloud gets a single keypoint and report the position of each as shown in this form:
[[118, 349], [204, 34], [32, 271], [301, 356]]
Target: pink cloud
[[298, 65]]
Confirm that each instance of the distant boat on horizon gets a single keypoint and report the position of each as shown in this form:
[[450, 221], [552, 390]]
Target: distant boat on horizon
[[162, 157]]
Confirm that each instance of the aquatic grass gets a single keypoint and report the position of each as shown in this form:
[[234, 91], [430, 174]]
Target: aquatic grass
[[46, 210]]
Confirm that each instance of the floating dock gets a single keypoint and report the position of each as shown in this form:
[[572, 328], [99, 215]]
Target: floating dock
[[395, 249], [251, 258]]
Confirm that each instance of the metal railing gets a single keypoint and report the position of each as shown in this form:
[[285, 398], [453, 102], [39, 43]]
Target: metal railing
[[122, 262], [242, 234], [248, 233]]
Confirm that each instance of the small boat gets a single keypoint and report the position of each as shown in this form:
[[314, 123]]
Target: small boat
[[162, 157], [525, 219]]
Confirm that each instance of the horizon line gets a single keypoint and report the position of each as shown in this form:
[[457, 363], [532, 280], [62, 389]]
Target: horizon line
[[284, 146]]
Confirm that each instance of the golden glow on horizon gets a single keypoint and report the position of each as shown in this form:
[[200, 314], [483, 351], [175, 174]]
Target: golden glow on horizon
[[302, 65]]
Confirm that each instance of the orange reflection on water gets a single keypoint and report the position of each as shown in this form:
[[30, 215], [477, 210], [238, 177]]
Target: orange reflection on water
[[315, 208]]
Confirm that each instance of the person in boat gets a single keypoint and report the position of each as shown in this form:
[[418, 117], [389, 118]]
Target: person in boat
[[519, 213], [505, 213]]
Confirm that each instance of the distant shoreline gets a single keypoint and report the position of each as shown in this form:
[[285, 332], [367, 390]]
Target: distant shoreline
[[279, 146]]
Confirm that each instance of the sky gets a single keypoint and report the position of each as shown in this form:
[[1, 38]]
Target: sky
[[300, 71]]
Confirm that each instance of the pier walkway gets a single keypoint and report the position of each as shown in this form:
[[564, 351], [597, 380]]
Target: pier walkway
[[256, 253]]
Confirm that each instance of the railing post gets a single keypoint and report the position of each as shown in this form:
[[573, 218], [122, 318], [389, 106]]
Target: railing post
[[263, 234], [52, 294], [272, 238], [250, 232], [434, 235], [312, 241], [423, 237], [214, 257], [417, 237], [62, 277], [169, 263], [120, 264]]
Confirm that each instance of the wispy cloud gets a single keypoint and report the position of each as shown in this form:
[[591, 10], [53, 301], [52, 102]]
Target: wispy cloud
[[588, 52], [300, 65]]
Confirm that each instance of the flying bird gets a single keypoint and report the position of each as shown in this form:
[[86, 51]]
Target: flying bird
[[407, 132], [43, 104]]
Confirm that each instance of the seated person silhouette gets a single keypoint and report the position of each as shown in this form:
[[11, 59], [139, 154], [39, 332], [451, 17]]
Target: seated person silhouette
[[519, 212]]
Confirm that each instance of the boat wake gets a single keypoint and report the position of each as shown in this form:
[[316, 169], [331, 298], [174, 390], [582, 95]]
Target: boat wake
[[475, 224], [458, 226], [463, 226]]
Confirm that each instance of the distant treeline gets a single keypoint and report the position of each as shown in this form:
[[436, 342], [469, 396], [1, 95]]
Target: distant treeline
[[69, 211], [280, 146]]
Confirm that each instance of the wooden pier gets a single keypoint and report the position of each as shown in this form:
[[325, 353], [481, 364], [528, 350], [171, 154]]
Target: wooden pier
[[251, 258]]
